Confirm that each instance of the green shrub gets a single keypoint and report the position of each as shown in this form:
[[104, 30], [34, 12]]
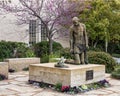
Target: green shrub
[[57, 47], [24, 51], [7, 50], [44, 59], [114, 47], [53, 60], [42, 48], [29, 53], [116, 72], [52, 57], [102, 58], [95, 49], [58, 86], [116, 55]]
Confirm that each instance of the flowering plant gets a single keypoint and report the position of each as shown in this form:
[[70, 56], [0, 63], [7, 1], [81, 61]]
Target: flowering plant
[[65, 88], [103, 83]]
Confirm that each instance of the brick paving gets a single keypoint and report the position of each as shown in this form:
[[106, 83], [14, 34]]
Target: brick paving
[[17, 86]]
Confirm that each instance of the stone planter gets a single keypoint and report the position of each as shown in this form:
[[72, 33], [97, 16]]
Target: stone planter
[[18, 64], [4, 69]]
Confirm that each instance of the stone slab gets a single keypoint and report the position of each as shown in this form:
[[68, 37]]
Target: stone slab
[[75, 75], [6, 92], [18, 64], [4, 69]]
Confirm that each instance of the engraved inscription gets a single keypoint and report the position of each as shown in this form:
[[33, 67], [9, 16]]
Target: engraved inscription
[[89, 75]]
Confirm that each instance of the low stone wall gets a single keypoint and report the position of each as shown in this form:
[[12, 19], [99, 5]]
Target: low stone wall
[[4, 69], [18, 64]]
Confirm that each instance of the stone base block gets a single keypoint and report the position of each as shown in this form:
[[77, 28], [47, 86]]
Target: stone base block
[[18, 64], [75, 75], [4, 69]]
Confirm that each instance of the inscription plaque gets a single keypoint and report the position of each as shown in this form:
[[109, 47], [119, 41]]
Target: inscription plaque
[[89, 75]]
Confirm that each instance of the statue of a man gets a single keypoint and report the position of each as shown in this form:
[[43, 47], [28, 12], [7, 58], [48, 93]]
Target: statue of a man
[[78, 41]]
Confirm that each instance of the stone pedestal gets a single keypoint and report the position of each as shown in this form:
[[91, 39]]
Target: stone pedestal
[[4, 69], [75, 75]]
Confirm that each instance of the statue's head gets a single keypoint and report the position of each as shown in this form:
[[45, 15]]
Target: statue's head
[[75, 21]]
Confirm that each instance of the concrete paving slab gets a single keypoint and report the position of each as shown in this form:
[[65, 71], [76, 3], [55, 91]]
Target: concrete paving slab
[[23, 89], [17, 86], [115, 94], [6, 92], [114, 89], [114, 82], [27, 94], [97, 92], [22, 79], [3, 83], [44, 93]]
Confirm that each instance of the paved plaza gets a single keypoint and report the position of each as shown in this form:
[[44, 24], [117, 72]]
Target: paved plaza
[[17, 85]]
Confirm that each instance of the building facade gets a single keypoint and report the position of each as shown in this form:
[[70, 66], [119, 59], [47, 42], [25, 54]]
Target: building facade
[[31, 33]]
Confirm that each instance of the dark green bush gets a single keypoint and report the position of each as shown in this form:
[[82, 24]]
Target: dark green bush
[[44, 59], [115, 55], [7, 50], [95, 49], [57, 47], [42, 48], [102, 58], [58, 86], [114, 47], [116, 72]]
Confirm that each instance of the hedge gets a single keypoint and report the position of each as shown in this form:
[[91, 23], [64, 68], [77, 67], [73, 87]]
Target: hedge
[[42, 48], [102, 58], [116, 72], [7, 50]]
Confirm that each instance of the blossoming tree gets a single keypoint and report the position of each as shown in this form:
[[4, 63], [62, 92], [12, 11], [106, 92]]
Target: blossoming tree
[[54, 14]]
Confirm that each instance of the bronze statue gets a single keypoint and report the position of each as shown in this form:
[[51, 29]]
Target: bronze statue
[[78, 41]]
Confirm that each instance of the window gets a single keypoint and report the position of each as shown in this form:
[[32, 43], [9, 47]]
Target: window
[[43, 32], [32, 31], [37, 32]]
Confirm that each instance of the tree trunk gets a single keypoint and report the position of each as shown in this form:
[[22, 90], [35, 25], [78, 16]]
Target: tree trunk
[[95, 44], [106, 44], [50, 46]]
